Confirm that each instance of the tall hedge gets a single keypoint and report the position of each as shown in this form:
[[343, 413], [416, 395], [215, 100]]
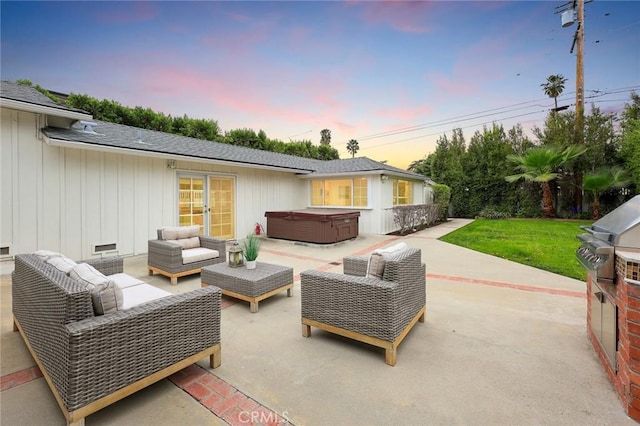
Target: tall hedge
[[442, 197]]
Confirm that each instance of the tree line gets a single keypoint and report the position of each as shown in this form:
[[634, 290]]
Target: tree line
[[505, 173], [204, 129]]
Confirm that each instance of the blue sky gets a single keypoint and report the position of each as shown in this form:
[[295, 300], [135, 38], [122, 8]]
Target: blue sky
[[392, 75]]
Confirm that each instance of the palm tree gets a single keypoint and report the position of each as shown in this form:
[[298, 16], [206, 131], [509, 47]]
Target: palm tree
[[541, 165], [352, 147], [325, 137], [554, 87], [601, 181]]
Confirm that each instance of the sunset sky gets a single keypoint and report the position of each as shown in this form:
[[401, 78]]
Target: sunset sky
[[395, 76]]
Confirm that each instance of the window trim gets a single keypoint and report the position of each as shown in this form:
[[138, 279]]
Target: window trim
[[394, 195], [352, 197]]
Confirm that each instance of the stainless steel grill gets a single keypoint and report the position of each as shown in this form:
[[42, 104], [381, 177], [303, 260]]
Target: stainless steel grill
[[618, 230]]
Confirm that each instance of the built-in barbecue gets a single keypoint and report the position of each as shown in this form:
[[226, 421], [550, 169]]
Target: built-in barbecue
[[619, 230], [610, 252]]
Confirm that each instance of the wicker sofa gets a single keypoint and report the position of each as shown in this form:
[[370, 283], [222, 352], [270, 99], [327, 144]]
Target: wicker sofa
[[181, 251], [91, 361], [358, 305]]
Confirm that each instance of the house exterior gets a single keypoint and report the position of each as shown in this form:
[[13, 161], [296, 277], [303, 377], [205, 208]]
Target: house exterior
[[85, 187]]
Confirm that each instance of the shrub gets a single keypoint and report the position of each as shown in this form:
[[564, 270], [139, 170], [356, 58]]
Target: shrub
[[442, 197], [491, 212], [409, 217]]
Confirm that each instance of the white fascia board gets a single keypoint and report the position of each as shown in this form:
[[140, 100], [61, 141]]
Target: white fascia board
[[118, 150], [345, 174], [41, 109], [361, 173]]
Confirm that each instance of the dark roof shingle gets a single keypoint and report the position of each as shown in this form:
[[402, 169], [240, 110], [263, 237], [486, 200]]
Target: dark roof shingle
[[28, 94]]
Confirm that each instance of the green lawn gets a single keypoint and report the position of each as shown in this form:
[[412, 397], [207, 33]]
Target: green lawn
[[542, 243]]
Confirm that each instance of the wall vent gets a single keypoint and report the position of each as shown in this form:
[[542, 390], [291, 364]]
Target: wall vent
[[105, 248], [5, 250]]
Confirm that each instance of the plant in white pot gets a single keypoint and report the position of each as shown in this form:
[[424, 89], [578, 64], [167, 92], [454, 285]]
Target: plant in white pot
[[251, 249]]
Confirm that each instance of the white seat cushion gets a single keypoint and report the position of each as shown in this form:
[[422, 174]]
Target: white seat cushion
[[123, 280], [141, 293], [198, 254], [46, 254], [61, 263]]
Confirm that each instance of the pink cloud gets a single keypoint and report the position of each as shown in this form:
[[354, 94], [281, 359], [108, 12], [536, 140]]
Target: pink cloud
[[120, 13], [406, 114], [403, 16]]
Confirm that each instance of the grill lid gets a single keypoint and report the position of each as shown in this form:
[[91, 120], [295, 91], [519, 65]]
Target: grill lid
[[623, 219]]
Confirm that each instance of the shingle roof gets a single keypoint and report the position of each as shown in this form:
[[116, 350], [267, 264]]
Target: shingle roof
[[127, 137], [28, 94], [118, 136], [360, 164]]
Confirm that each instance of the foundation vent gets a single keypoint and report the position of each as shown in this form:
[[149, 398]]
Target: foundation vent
[[5, 250], [105, 248]]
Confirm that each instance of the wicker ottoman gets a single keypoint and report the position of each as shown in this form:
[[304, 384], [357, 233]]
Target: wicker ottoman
[[251, 285]]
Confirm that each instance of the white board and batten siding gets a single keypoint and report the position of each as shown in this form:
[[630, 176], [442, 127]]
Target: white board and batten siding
[[70, 200]]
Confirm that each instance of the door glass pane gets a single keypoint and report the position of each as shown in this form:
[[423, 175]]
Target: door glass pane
[[191, 202], [222, 207]]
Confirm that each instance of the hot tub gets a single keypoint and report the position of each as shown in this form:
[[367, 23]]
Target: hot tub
[[320, 226]]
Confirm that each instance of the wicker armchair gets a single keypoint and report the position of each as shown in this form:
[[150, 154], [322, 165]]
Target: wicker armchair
[[380, 312], [166, 255]]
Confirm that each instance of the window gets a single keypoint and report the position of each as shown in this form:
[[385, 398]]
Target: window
[[339, 192], [402, 192]]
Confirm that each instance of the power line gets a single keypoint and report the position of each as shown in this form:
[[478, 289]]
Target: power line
[[440, 123], [458, 127], [490, 112]]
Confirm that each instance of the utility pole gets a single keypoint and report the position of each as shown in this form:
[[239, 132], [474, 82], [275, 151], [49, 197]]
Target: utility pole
[[570, 10], [579, 41]]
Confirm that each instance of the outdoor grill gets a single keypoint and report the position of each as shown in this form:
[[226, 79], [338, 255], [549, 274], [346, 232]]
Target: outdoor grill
[[610, 252], [619, 230]]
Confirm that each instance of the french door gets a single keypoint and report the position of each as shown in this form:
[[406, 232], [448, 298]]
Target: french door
[[208, 201]]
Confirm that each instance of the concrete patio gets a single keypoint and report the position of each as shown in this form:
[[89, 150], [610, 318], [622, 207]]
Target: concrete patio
[[502, 344]]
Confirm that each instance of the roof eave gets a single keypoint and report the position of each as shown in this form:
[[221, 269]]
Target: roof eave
[[363, 172], [42, 109], [119, 150]]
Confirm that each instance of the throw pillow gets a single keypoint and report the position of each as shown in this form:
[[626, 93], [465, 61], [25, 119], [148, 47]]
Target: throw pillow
[[61, 263], [376, 265], [107, 298], [189, 243], [105, 294], [377, 260]]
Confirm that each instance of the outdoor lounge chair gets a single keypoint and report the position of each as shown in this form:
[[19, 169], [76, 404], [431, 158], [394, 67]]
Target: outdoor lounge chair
[[181, 251], [364, 307]]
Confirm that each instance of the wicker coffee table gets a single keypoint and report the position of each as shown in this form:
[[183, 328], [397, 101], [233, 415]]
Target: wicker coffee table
[[251, 285]]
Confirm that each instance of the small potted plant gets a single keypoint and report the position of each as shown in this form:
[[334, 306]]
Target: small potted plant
[[250, 251]]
